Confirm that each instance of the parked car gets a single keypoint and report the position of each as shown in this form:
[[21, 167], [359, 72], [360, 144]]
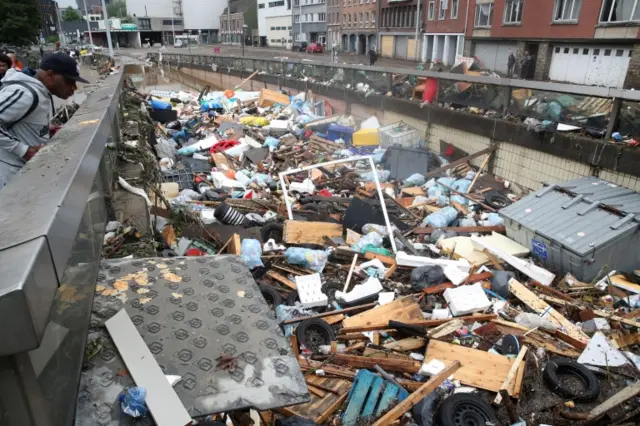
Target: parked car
[[299, 46], [315, 48], [179, 44]]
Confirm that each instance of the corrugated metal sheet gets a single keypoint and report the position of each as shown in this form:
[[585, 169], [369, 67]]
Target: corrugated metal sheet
[[593, 213]]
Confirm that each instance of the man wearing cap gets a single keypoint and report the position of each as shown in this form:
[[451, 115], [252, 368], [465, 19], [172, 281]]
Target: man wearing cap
[[26, 106]]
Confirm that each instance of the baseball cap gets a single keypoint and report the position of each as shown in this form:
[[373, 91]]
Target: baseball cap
[[63, 64]]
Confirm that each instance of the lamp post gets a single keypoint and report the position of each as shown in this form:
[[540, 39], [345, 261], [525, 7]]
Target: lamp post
[[245, 27]]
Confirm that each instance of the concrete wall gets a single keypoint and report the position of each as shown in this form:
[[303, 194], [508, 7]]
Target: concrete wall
[[521, 157]]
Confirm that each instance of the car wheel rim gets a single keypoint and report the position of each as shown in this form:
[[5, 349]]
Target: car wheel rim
[[469, 415]]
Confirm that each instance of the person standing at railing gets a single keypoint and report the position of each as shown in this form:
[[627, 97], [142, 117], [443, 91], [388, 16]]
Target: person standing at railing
[[26, 106]]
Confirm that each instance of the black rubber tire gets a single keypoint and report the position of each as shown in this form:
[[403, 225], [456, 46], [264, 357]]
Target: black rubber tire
[[318, 325], [271, 295], [557, 366], [292, 298], [463, 409], [496, 200], [272, 230]]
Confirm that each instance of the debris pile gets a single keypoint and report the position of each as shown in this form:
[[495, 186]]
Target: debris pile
[[406, 294]]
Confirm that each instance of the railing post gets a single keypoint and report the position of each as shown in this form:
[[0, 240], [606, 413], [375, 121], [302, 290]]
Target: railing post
[[613, 117], [507, 100]]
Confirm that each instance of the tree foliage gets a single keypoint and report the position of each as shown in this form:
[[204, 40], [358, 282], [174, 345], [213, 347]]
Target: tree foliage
[[117, 9], [70, 14], [19, 22]]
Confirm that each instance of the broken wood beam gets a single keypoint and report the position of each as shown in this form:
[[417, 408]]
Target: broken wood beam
[[417, 396], [506, 385], [282, 279], [300, 232], [624, 395], [419, 323], [390, 364]]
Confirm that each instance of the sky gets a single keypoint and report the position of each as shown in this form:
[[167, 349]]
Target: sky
[[63, 4]]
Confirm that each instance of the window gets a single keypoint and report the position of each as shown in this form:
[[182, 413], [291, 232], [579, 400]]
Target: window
[[567, 10], [355, 19], [607, 52], [513, 11], [273, 28], [349, 22], [373, 18], [144, 24], [576, 50], [296, 19], [322, 17], [360, 22], [366, 19], [276, 3], [619, 52], [620, 11], [344, 20], [443, 9], [175, 22], [296, 3], [585, 51], [261, 6], [566, 50], [432, 9], [484, 15], [596, 52]]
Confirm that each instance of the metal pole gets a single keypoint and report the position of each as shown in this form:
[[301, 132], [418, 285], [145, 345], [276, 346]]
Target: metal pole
[[86, 16], [300, 20], [173, 28], [229, 21], [417, 25], [60, 32], [106, 23]]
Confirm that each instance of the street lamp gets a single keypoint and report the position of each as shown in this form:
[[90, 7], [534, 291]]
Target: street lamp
[[245, 27]]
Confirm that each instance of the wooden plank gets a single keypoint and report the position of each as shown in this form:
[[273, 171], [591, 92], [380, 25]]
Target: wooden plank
[[551, 291], [330, 313], [320, 409], [403, 309], [235, 247], [612, 317], [460, 208], [627, 340], [408, 344], [539, 306], [446, 328], [479, 229], [437, 171], [421, 323], [270, 98], [300, 232], [388, 396], [322, 418], [397, 365], [163, 402], [374, 393], [399, 410], [617, 399], [480, 369], [511, 376], [357, 396], [282, 279]]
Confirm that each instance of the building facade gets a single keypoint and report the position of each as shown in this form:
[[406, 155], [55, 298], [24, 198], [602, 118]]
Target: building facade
[[334, 23], [310, 21], [275, 23], [590, 42], [158, 21], [358, 25], [240, 23], [397, 24], [48, 18], [201, 17], [446, 22]]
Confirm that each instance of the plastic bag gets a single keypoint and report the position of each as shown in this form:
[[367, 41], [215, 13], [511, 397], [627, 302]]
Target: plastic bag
[[371, 227], [448, 181], [461, 185], [132, 402], [251, 251], [383, 175], [441, 218], [272, 143], [262, 179], [424, 411], [467, 221], [500, 282], [371, 239], [426, 276], [312, 259], [493, 219], [534, 321], [415, 179], [254, 121]]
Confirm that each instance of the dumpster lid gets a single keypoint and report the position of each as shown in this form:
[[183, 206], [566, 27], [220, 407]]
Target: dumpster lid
[[582, 214]]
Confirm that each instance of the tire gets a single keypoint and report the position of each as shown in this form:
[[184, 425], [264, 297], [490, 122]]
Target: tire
[[272, 230], [557, 366], [318, 325], [496, 200], [292, 298], [271, 295], [464, 409]]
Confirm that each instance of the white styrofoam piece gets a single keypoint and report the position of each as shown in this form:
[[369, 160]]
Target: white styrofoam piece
[[306, 186], [370, 123], [535, 272], [455, 275], [309, 291], [604, 281], [375, 263], [431, 368], [368, 288], [466, 299], [404, 259], [601, 353], [386, 297], [440, 314], [506, 244]]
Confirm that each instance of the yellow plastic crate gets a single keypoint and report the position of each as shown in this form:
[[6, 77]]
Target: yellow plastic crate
[[365, 137]]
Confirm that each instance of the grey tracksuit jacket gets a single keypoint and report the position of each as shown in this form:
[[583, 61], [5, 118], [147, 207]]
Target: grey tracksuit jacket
[[17, 135]]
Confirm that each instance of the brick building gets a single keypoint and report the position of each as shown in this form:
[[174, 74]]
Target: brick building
[[334, 19], [49, 17], [358, 23], [589, 42], [445, 32], [397, 28], [240, 23]]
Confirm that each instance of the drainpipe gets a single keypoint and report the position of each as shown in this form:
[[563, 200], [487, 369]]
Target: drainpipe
[[466, 22], [417, 27]]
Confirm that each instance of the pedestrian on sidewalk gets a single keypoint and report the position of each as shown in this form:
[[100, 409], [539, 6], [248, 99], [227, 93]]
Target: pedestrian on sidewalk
[[525, 64], [373, 56], [26, 106], [511, 63]]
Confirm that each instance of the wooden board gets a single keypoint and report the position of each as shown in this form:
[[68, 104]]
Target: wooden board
[[370, 396], [403, 309], [282, 279], [396, 365], [408, 344], [269, 98], [479, 369], [414, 191], [320, 409], [163, 402], [463, 247], [617, 399], [299, 232], [538, 305], [235, 246]]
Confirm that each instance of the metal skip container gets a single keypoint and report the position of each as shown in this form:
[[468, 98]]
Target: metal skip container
[[581, 226]]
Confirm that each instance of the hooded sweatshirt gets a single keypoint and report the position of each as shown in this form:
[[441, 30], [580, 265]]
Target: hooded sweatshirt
[[17, 134]]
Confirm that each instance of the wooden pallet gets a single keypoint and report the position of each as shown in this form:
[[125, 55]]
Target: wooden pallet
[[369, 397], [320, 409]]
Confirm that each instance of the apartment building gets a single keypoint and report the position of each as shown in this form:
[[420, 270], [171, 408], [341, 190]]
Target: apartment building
[[48, 18], [358, 25], [591, 42], [275, 23], [239, 24], [157, 21], [397, 24], [446, 25], [334, 20], [310, 21]]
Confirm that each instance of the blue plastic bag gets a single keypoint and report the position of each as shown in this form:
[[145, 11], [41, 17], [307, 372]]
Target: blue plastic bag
[[415, 179], [373, 238], [461, 185], [312, 259], [132, 402], [209, 105], [160, 105], [251, 251], [442, 218], [271, 143]]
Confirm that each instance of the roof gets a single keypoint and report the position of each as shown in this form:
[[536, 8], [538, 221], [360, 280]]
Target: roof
[[581, 215]]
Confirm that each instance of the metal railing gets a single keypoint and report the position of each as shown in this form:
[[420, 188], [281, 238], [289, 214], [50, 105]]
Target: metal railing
[[53, 216], [589, 107]]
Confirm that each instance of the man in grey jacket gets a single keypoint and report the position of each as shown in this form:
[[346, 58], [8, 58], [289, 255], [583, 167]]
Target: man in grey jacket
[[26, 106]]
